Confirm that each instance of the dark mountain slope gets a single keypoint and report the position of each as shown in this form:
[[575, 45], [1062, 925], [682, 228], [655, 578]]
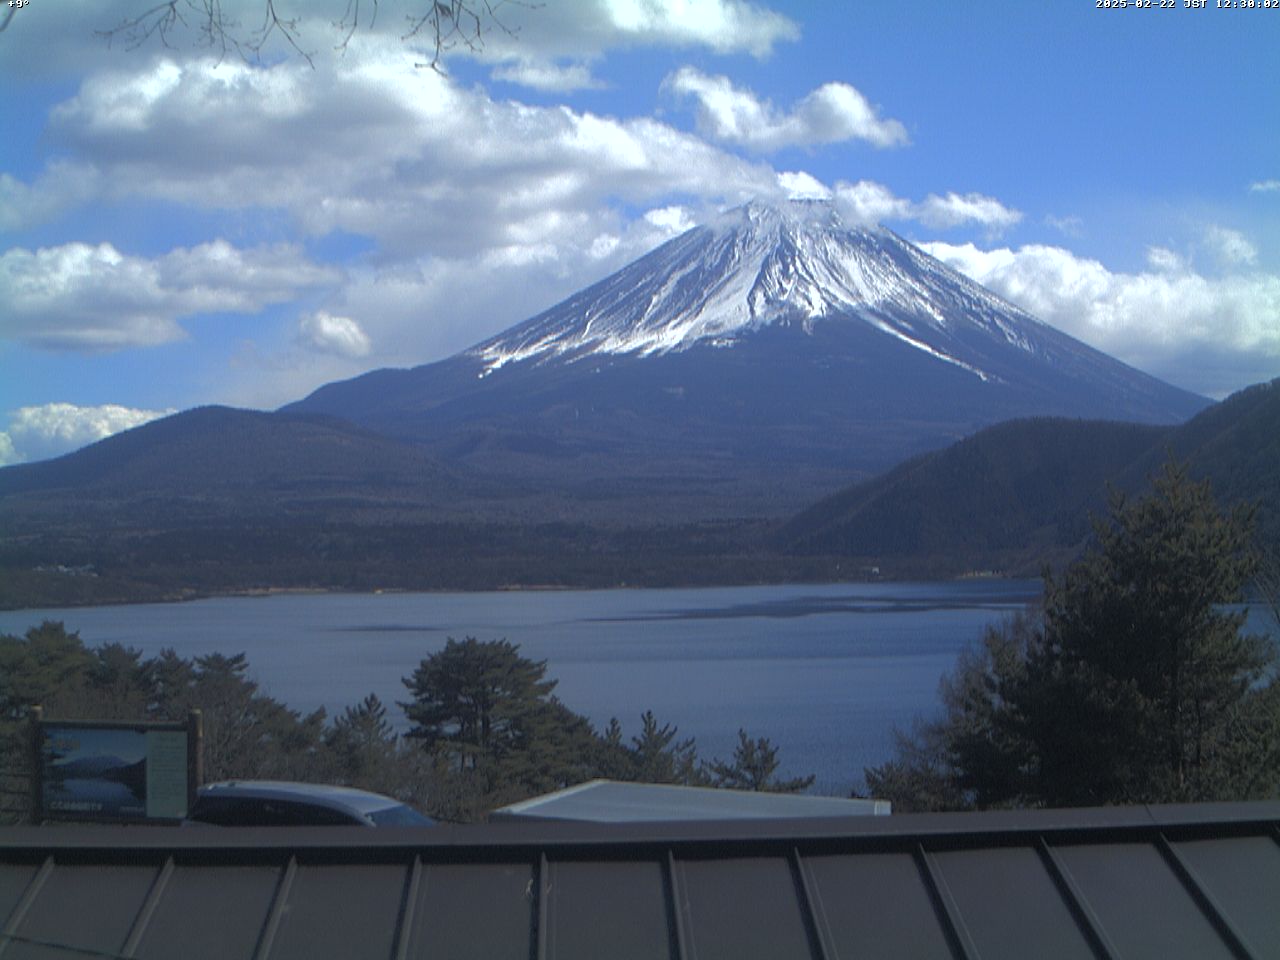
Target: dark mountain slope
[[1018, 494], [1012, 491], [1236, 445], [216, 460]]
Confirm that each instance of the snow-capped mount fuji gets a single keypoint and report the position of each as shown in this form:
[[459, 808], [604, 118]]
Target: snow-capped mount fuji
[[747, 366], [760, 265]]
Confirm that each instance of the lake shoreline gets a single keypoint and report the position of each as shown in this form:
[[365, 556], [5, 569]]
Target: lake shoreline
[[249, 593], [825, 671]]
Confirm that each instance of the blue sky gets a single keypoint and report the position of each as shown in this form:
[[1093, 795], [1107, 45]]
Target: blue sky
[[179, 228]]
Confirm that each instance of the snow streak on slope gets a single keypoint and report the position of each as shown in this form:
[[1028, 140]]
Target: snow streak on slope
[[795, 264]]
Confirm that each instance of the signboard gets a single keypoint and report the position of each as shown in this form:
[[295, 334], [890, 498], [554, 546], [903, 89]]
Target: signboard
[[115, 771]]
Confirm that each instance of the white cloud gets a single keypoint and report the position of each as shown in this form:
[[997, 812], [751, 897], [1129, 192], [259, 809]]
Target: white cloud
[[547, 75], [1165, 322], [868, 203], [536, 38], [954, 210], [1164, 259], [1265, 186], [37, 433], [672, 221], [1071, 226], [60, 187], [802, 186], [372, 146], [833, 113], [1230, 247], [724, 26], [329, 334], [529, 42], [84, 297]]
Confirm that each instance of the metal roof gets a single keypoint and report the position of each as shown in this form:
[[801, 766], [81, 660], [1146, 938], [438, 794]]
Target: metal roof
[[1188, 881], [613, 801]]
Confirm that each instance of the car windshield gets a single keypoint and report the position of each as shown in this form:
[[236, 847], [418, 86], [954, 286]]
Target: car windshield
[[399, 816]]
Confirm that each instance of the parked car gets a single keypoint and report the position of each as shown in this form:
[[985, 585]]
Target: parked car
[[279, 803]]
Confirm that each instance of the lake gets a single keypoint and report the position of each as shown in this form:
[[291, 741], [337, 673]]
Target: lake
[[825, 671]]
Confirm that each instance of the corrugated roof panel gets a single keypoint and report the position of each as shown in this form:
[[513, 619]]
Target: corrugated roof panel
[[748, 907], [1242, 874], [1007, 900], [1142, 905], [210, 913], [876, 905], [340, 910], [473, 911], [617, 910], [15, 878], [107, 899]]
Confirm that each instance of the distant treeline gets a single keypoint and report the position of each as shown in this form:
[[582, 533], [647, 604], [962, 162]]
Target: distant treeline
[[135, 564]]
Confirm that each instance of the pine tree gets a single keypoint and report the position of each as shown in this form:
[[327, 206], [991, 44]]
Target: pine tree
[[1134, 683], [754, 767], [474, 701], [1144, 675], [658, 757]]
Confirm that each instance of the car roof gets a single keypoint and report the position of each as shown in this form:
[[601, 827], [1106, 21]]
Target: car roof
[[329, 795]]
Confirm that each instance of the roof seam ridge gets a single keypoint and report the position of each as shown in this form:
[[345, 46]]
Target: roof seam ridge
[[1205, 900], [149, 907]]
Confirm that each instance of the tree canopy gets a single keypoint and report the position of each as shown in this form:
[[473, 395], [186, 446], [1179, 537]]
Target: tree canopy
[[1135, 682], [754, 766], [485, 727]]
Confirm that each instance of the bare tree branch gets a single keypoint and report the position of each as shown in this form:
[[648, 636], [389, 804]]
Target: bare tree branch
[[446, 24], [350, 22]]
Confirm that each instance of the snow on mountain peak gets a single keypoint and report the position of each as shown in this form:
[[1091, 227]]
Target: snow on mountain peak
[[794, 263]]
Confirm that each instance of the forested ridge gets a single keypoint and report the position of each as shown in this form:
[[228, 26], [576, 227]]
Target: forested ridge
[[269, 502]]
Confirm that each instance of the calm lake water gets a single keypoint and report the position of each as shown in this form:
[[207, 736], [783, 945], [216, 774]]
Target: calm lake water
[[825, 672]]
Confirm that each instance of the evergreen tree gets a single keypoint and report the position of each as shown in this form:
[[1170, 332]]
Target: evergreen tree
[[1135, 683], [754, 767], [246, 733], [474, 702], [362, 742], [486, 716], [46, 666], [658, 757], [1144, 674]]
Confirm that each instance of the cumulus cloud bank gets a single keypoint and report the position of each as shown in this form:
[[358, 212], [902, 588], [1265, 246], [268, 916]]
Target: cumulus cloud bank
[[869, 203], [1173, 322], [93, 297], [833, 113], [37, 433], [587, 29], [372, 146]]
